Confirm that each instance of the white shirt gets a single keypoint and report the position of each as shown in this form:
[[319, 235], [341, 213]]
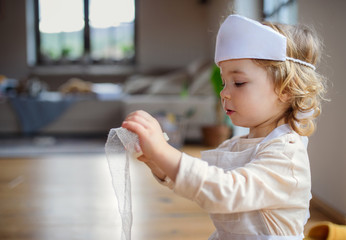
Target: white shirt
[[253, 189]]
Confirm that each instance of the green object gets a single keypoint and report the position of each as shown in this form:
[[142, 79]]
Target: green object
[[65, 52], [184, 91], [216, 80]]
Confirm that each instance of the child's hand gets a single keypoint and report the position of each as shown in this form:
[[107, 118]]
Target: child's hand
[[149, 132], [152, 142]]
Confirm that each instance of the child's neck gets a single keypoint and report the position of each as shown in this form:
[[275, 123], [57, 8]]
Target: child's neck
[[263, 131]]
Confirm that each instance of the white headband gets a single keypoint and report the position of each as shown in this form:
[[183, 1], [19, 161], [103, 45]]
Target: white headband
[[240, 37]]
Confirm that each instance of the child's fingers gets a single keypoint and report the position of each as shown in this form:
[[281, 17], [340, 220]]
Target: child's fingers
[[138, 148], [140, 113], [142, 158], [139, 117], [144, 119], [134, 127]]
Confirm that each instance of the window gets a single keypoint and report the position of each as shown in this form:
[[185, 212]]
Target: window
[[85, 31], [281, 11]]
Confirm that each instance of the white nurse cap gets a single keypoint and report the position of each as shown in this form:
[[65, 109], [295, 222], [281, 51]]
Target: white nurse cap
[[240, 37]]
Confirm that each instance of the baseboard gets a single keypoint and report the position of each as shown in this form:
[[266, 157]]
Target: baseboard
[[329, 211]]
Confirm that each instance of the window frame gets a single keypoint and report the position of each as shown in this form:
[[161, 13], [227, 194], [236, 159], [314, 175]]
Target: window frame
[[86, 43]]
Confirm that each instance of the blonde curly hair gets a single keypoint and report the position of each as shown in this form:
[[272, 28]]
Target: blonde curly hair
[[302, 85]]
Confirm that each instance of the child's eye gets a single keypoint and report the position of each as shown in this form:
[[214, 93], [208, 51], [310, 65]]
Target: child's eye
[[238, 84]]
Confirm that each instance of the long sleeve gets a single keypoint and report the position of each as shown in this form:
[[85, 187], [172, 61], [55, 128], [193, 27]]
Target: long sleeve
[[277, 177]]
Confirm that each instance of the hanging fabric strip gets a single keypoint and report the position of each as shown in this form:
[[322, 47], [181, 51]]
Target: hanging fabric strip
[[120, 148]]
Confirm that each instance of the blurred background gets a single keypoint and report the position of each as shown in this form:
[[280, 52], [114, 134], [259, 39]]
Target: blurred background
[[72, 70]]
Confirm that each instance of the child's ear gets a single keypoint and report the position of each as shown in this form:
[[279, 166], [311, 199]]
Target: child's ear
[[284, 97]]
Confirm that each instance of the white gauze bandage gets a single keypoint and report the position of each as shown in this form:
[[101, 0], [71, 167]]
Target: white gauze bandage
[[120, 149]]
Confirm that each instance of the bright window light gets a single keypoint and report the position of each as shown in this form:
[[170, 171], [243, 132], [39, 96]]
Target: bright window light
[[55, 17], [110, 13]]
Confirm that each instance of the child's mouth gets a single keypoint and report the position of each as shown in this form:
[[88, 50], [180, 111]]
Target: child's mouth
[[229, 112]]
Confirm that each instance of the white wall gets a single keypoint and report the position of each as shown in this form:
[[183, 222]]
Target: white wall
[[171, 33], [328, 146]]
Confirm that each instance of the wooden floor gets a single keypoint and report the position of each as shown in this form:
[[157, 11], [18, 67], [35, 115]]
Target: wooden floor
[[71, 197]]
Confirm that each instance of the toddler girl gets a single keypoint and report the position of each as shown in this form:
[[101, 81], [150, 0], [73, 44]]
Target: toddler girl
[[255, 186]]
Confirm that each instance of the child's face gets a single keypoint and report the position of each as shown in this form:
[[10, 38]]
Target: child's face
[[249, 97]]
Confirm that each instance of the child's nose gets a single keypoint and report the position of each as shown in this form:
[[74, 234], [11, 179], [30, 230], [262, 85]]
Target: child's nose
[[225, 93]]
